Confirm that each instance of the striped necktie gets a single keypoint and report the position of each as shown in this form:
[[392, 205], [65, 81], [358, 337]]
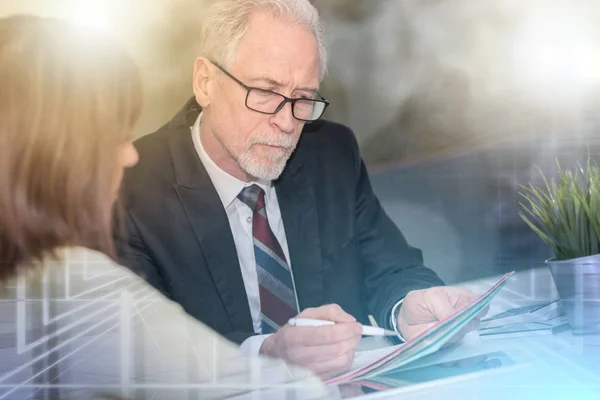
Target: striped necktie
[[276, 288]]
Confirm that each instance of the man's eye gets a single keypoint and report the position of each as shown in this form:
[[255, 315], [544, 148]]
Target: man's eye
[[265, 93]]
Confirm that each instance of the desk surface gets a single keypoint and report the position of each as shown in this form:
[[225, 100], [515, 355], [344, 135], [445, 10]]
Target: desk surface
[[561, 366]]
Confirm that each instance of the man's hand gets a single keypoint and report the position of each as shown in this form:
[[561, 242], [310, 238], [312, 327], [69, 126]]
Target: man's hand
[[326, 350], [422, 309]]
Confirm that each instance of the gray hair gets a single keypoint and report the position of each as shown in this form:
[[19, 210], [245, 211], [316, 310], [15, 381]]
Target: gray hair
[[225, 23]]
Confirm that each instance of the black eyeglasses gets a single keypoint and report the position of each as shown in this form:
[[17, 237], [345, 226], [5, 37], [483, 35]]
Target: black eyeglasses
[[269, 102]]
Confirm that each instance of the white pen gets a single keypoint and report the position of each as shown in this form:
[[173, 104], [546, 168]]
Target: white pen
[[367, 330]]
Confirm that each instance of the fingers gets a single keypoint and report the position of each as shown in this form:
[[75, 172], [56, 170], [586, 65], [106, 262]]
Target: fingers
[[323, 353], [415, 308], [333, 367], [329, 312], [420, 311], [321, 335], [439, 303], [465, 298], [434, 304], [411, 331], [424, 308], [455, 299], [326, 350], [459, 297]]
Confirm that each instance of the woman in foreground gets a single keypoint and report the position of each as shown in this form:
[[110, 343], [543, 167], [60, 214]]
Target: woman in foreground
[[74, 324]]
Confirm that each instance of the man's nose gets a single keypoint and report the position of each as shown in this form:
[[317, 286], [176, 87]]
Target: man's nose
[[284, 119]]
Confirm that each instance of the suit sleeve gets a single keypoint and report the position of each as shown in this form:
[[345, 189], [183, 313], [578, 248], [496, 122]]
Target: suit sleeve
[[392, 267], [134, 254]]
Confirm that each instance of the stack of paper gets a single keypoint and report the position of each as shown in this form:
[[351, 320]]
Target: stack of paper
[[543, 318], [526, 329], [381, 361], [539, 312]]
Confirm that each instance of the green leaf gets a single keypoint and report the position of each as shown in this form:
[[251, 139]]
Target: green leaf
[[565, 212], [541, 234]]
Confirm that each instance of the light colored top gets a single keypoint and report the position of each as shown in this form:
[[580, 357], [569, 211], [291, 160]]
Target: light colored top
[[240, 222], [83, 325]]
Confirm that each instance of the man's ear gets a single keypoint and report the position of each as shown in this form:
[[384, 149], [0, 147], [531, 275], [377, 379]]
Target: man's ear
[[202, 81]]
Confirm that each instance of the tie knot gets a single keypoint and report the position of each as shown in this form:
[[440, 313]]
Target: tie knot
[[253, 196]]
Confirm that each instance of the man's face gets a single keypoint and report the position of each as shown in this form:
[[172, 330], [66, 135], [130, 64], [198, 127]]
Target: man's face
[[274, 55]]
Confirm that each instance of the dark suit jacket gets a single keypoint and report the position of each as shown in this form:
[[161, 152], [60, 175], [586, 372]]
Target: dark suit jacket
[[343, 248]]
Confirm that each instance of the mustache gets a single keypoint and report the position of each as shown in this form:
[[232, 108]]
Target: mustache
[[275, 139]]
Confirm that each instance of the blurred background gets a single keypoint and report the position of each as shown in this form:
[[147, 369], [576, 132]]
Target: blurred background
[[455, 103]]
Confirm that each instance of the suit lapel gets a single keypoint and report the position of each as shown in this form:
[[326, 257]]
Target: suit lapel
[[297, 203], [207, 216]]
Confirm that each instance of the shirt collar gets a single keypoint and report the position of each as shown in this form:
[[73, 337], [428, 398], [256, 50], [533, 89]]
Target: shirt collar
[[226, 185]]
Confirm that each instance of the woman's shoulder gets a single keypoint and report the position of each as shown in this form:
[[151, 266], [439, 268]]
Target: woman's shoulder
[[94, 272], [84, 255], [88, 268], [152, 316], [93, 265], [114, 315]]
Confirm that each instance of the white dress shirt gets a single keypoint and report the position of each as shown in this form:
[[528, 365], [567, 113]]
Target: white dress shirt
[[240, 222]]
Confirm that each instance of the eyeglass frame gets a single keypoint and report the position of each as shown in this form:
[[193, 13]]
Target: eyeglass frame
[[282, 104]]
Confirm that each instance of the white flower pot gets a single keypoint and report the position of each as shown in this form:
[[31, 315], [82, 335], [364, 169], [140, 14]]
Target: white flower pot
[[578, 284]]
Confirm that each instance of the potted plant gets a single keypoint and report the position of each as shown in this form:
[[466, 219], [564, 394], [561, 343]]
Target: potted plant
[[565, 214]]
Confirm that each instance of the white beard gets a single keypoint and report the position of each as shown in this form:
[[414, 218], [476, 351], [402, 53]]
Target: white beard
[[271, 168], [261, 169]]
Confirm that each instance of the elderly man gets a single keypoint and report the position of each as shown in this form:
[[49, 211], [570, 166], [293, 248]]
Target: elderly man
[[248, 210]]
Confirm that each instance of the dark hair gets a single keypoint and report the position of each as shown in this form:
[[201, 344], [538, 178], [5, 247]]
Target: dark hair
[[69, 101]]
